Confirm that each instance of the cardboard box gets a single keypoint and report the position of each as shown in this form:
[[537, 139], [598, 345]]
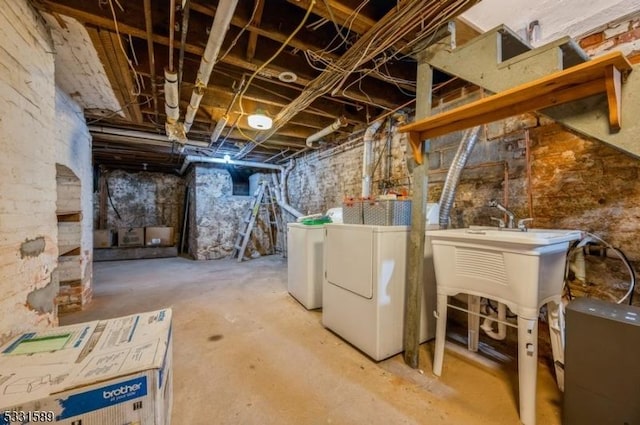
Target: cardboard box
[[158, 236], [131, 236], [103, 238], [116, 371]]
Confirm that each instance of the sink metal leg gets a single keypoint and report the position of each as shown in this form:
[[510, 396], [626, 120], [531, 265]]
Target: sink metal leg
[[473, 322], [441, 328], [555, 316], [527, 368]]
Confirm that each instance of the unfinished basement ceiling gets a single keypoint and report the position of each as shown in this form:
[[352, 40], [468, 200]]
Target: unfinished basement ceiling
[[305, 63], [348, 59]]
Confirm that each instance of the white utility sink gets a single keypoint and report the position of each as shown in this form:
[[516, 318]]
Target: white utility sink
[[521, 269]]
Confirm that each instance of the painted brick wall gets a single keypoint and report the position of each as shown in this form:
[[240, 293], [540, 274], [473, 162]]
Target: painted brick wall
[[623, 36], [73, 150], [28, 227]]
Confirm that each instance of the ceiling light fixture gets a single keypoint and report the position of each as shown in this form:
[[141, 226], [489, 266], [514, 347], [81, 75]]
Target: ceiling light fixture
[[259, 121]]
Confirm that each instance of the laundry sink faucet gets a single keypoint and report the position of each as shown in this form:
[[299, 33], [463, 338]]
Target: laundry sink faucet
[[511, 223]]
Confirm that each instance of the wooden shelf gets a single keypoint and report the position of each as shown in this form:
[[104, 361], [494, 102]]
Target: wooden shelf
[[66, 251], [600, 75], [69, 216]]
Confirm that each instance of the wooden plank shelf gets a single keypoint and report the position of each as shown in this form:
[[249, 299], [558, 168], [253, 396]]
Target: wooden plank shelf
[[601, 75], [66, 251], [69, 216]]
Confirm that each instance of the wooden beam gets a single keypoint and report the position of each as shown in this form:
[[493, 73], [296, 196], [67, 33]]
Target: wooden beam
[[338, 13], [253, 35], [272, 71], [557, 88], [123, 98], [279, 37]]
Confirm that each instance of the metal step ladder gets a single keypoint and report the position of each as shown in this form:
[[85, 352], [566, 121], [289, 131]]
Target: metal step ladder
[[264, 202]]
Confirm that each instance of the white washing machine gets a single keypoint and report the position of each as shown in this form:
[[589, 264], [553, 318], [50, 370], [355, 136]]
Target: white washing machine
[[364, 286], [304, 263]]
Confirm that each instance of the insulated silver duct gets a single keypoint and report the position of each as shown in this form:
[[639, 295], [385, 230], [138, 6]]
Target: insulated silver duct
[[367, 158], [469, 139]]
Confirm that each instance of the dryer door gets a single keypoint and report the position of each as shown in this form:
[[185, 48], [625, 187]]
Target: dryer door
[[349, 258]]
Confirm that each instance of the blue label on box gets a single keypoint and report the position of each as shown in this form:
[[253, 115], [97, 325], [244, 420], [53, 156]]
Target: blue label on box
[[89, 401]]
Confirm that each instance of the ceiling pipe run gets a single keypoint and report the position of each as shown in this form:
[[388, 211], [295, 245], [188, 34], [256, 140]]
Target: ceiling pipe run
[[221, 22], [190, 159], [139, 135], [281, 192], [340, 122]]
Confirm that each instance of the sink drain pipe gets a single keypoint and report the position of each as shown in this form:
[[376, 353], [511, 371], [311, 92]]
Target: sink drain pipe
[[469, 139]]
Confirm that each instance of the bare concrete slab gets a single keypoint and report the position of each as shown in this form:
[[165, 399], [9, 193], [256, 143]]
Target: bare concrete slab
[[247, 353]]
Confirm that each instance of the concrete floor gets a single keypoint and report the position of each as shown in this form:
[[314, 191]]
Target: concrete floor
[[245, 352]]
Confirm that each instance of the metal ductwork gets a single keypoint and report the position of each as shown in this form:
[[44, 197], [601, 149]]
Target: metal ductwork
[[367, 158], [469, 139], [221, 22], [340, 122]]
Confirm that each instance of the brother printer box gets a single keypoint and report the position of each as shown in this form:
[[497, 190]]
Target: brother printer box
[[116, 371]]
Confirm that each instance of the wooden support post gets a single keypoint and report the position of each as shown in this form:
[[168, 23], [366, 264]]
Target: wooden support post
[[415, 251]]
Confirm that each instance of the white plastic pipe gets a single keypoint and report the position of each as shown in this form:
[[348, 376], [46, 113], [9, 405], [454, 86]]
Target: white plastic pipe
[[194, 104], [340, 122], [367, 158], [171, 98], [487, 324], [206, 159], [221, 21]]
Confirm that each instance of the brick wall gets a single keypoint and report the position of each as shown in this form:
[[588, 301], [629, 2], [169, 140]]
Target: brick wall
[[28, 227], [623, 36], [73, 151], [42, 131], [574, 182]]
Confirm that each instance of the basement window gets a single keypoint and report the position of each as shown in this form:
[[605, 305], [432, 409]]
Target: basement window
[[240, 180]]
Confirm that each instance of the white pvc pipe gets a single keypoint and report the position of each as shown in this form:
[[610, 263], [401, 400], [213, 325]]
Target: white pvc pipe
[[194, 104], [171, 102], [487, 324], [205, 159], [367, 158], [221, 21], [340, 122]]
